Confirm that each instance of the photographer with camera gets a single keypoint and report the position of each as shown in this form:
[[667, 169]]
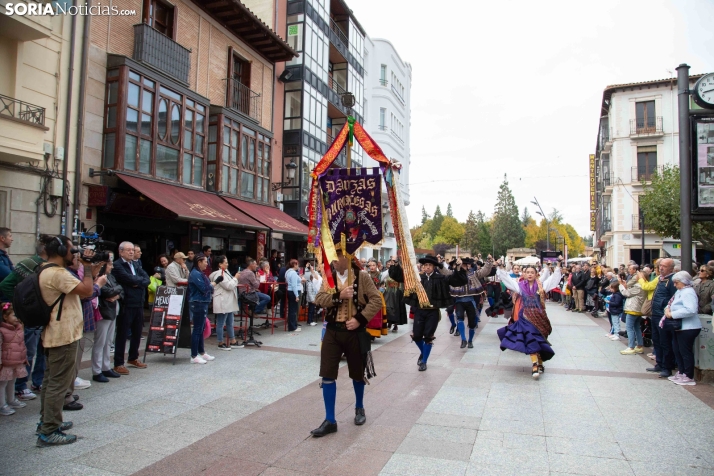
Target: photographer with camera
[[61, 291], [134, 280]]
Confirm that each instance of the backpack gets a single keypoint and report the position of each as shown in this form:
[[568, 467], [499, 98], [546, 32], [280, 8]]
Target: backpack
[[29, 305]]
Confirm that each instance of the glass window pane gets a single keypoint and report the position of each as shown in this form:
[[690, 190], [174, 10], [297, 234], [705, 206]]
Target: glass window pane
[[188, 120], [226, 153], [130, 152], [201, 108], [224, 179], [170, 93], [259, 189], [187, 139], [146, 124], [167, 162], [234, 181], [265, 190], [175, 123], [132, 120], [246, 185], [163, 119], [187, 168], [234, 139], [244, 151], [251, 154], [199, 145], [112, 73], [226, 135], [134, 76], [113, 89], [133, 95], [145, 157], [111, 117], [147, 101], [148, 82], [189, 102], [212, 130], [108, 161], [234, 156], [200, 123], [197, 171], [292, 104]]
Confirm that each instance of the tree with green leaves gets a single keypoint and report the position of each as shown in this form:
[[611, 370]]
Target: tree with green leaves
[[436, 222], [555, 215], [484, 244], [424, 215], [451, 232], [470, 239], [449, 211], [507, 230], [662, 209], [526, 217]]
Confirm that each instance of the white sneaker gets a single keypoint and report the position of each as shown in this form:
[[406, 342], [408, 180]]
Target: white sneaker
[[684, 380], [5, 410], [207, 357], [197, 360], [608, 335], [298, 329], [614, 337], [17, 404], [313, 323], [81, 384], [25, 395]]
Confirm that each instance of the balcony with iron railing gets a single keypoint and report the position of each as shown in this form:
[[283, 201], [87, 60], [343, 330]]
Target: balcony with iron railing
[[651, 126], [242, 99], [637, 225], [396, 136], [384, 82], [398, 94], [335, 86], [341, 35], [642, 174], [608, 179], [161, 52], [382, 127], [605, 226], [330, 139], [22, 111]]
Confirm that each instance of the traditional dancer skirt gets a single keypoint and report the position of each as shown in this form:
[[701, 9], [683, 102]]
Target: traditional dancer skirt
[[522, 336]]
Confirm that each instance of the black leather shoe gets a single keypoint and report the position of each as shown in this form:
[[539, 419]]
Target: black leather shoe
[[325, 429], [471, 345], [457, 333], [360, 418], [419, 360], [463, 344], [656, 368], [422, 366], [111, 373], [665, 373], [453, 328], [100, 378], [71, 407]]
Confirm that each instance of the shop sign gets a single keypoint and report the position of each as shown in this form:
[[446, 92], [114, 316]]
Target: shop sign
[[98, 195], [165, 320], [593, 199], [593, 220]]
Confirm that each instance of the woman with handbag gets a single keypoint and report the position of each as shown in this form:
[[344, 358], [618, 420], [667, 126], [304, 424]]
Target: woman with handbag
[[109, 301], [200, 292], [681, 317], [225, 303]]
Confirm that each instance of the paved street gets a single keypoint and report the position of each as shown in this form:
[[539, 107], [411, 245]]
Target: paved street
[[476, 412]]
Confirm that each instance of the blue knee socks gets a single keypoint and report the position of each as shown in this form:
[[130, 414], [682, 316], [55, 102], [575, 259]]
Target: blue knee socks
[[426, 352], [420, 343], [359, 393], [462, 329], [329, 394], [471, 334], [451, 318]]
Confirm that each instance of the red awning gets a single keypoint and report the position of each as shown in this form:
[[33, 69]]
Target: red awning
[[274, 218], [191, 204]]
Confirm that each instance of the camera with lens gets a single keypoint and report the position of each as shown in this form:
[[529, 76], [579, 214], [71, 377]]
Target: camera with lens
[[93, 241]]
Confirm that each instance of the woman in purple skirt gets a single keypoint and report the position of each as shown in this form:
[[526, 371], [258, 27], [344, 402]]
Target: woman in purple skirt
[[528, 328]]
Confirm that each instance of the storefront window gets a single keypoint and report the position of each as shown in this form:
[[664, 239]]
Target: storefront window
[[157, 131]]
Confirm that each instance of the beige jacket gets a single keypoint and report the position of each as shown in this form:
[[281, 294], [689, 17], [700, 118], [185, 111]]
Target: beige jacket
[[635, 295]]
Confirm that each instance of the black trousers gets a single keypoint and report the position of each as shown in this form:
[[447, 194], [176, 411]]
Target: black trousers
[[683, 346], [470, 310], [425, 323], [129, 318], [662, 342]]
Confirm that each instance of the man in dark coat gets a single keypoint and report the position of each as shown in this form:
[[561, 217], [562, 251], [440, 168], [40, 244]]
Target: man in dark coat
[[436, 279], [662, 338]]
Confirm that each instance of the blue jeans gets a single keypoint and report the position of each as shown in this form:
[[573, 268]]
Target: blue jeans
[[633, 324], [227, 319], [615, 323], [36, 351], [293, 305], [199, 311], [264, 299]]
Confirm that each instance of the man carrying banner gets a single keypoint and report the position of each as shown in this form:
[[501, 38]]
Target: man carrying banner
[[345, 334], [436, 284]]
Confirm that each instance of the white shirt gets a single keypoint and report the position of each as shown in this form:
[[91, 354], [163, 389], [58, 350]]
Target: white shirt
[[342, 276], [131, 266]]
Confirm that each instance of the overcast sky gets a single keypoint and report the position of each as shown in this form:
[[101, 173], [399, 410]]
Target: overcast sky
[[515, 87]]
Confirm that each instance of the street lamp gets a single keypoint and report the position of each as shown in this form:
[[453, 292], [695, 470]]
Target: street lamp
[[290, 170], [547, 224]]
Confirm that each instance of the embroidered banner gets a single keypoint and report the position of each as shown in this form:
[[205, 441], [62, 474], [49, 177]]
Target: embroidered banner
[[352, 201]]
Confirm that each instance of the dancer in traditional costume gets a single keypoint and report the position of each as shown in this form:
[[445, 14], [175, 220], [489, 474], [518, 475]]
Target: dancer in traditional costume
[[465, 299], [346, 335], [528, 328], [436, 283]]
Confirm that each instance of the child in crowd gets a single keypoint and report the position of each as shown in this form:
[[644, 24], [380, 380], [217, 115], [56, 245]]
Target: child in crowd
[[615, 307], [13, 358]]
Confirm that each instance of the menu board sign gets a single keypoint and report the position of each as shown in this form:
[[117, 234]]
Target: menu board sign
[[165, 320], [704, 165]]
